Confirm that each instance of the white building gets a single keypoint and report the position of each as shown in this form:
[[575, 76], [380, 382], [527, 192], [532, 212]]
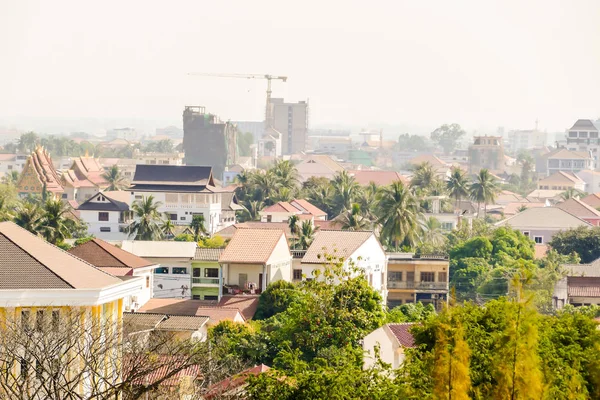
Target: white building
[[183, 191], [526, 139], [172, 276], [12, 162], [360, 248], [282, 211], [391, 340], [107, 214], [158, 158]]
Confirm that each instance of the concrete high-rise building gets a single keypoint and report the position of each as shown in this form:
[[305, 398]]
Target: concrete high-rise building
[[291, 120], [486, 152], [207, 140]]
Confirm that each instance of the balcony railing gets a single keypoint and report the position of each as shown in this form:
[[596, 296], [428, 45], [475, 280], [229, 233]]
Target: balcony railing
[[417, 285], [210, 281]]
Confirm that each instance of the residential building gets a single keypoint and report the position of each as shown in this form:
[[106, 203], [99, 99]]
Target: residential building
[[541, 224], [40, 282], [129, 134], [463, 214], [291, 120], [579, 286], [107, 214], [282, 211], [364, 177], [126, 165], [591, 179], [183, 191], [581, 210], [172, 277], [511, 209], [359, 249], [207, 140], [318, 166], [174, 158], [583, 137], [417, 278], [561, 181], [505, 197], [568, 161], [486, 152], [12, 162], [206, 274], [229, 207], [441, 167], [254, 258], [337, 145], [83, 179], [230, 231], [120, 263], [215, 313], [388, 344], [592, 200], [549, 196], [526, 139], [183, 327], [39, 175]]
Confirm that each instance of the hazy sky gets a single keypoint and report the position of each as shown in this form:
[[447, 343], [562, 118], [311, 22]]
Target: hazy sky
[[478, 63]]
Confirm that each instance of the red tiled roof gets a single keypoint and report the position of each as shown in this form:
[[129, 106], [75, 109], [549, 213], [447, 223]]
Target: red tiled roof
[[246, 304], [381, 178], [310, 208], [102, 254], [191, 307], [251, 246], [234, 381], [165, 366], [583, 286], [402, 333], [282, 206]]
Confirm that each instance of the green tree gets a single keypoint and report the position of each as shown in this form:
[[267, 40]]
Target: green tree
[[305, 236], [56, 224], [413, 143], [432, 232], [27, 142], [353, 220], [11, 178], [484, 189], [398, 215], [244, 141], [448, 136], [198, 226], [215, 242], [147, 218], [167, 227], [424, 177], [572, 193], [184, 237], [115, 179], [293, 225], [583, 240], [28, 216], [286, 174], [345, 189], [276, 298], [458, 185]]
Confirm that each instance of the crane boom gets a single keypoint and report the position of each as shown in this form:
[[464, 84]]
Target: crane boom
[[268, 116]]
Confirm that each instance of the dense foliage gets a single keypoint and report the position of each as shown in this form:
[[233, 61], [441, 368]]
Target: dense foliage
[[584, 241]]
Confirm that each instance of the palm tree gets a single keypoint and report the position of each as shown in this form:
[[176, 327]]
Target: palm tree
[[321, 197], [167, 227], [306, 235], [424, 177], [432, 232], [264, 185], [251, 210], [56, 225], [345, 190], [571, 193], [198, 226], [366, 199], [293, 224], [283, 194], [286, 174], [115, 179], [353, 220], [146, 219], [11, 178], [457, 185], [28, 216], [399, 215], [484, 189]]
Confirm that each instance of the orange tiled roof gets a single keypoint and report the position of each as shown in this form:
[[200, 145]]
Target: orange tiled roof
[[249, 246]]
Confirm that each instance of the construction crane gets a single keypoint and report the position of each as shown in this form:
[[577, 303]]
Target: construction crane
[[268, 115]]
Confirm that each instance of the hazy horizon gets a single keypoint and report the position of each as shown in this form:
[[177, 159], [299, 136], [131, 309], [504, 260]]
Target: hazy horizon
[[403, 64]]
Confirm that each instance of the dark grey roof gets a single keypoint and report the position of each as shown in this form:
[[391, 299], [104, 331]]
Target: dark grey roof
[[113, 205], [178, 175], [585, 124]]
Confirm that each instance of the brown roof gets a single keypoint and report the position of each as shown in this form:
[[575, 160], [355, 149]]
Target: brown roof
[[218, 314], [402, 333], [169, 371], [310, 208], [29, 262], [246, 304], [282, 207], [330, 225], [565, 154], [136, 321], [230, 384], [251, 246], [343, 243], [578, 208], [592, 200], [513, 208], [543, 218], [583, 286], [430, 158], [182, 323], [381, 178], [191, 308], [102, 254], [203, 254], [561, 176]]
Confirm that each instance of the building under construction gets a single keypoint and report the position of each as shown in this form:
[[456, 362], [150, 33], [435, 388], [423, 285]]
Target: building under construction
[[207, 140]]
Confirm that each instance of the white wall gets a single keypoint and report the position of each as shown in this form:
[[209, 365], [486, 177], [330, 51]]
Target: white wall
[[91, 219], [275, 216], [389, 350], [147, 292]]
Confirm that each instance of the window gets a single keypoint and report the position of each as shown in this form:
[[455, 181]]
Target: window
[[173, 217], [196, 297], [179, 270], [447, 226], [410, 276], [526, 233], [297, 274], [147, 281], [102, 216], [538, 239], [196, 272], [209, 297], [182, 218], [138, 197], [10, 167], [105, 229], [395, 276], [442, 277], [211, 272], [269, 218], [427, 276], [64, 195], [161, 270]]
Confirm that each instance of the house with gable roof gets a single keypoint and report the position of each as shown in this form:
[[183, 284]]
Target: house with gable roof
[[592, 200], [120, 263], [107, 214], [254, 258], [581, 210], [358, 248], [561, 181], [84, 179], [282, 211], [391, 340]]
